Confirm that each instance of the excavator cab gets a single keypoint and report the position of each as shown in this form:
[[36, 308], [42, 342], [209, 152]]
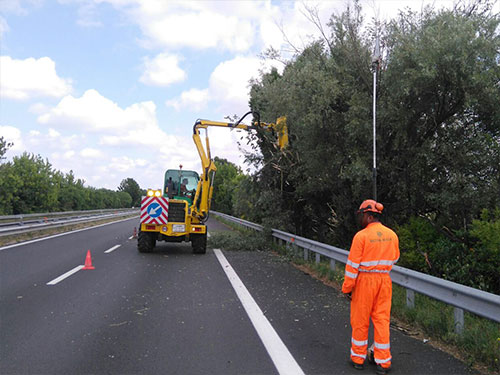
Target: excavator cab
[[181, 185]]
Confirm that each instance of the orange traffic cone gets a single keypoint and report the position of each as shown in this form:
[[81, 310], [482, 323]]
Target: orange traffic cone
[[88, 262]]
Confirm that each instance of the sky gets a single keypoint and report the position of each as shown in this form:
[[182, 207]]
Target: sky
[[110, 89]]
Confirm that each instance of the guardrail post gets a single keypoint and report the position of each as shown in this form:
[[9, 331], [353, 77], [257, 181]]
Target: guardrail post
[[332, 264], [306, 255], [318, 258], [459, 320], [410, 298]]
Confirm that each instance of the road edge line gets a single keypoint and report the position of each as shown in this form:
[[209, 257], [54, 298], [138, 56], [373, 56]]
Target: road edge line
[[277, 350]]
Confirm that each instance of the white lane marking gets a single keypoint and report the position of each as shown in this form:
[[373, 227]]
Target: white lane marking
[[281, 357], [208, 235], [67, 274], [61, 234], [131, 237], [112, 249]]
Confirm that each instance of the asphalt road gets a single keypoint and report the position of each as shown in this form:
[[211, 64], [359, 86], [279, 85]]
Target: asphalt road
[[172, 312]]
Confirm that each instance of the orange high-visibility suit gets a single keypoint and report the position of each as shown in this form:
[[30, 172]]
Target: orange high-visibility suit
[[373, 252]]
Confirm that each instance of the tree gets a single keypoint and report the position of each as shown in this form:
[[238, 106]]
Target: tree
[[4, 146], [442, 135], [32, 186], [71, 194], [224, 185], [130, 186], [438, 133]]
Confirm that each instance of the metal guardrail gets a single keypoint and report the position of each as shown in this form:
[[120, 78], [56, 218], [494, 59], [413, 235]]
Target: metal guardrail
[[20, 218], [460, 296], [64, 218]]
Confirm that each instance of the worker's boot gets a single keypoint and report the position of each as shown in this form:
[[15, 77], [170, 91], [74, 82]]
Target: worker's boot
[[382, 370], [357, 366]]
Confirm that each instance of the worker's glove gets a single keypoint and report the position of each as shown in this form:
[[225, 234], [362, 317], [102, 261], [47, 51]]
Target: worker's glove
[[348, 296]]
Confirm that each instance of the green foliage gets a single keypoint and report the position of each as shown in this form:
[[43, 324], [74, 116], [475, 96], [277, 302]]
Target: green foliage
[[467, 257], [438, 138], [29, 184], [130, 186], [226, 180], [487, 229], [4, 146]]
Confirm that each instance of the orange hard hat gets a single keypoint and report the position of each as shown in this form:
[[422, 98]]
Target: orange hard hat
[[370, 205]]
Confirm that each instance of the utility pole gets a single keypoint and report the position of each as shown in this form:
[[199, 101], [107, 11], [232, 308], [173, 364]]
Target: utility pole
[[376, 66]]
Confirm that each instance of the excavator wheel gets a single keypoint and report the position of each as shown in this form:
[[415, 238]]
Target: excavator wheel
[[146, 241], [199, 243]]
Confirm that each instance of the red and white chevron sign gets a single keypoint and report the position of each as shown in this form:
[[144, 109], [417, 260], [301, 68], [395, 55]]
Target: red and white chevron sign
[[154, 210]]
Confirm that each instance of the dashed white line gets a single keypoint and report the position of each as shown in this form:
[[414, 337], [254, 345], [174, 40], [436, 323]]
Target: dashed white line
[[281, 357], [63, 276], [112, 249]]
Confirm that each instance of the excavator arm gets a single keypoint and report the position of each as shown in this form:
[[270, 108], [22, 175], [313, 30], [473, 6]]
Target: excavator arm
[[204, 190]]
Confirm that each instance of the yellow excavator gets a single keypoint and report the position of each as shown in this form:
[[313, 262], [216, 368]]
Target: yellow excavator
[[178, 212]]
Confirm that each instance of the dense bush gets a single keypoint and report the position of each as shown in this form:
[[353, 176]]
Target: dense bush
[[470, 257]]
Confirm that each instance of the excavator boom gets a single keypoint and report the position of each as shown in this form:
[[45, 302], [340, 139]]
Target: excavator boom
[[204, 191]]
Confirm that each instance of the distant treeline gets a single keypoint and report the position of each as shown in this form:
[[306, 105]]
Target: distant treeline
[[29, 184]]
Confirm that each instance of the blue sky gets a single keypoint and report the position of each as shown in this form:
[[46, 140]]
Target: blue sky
[[111, 88]]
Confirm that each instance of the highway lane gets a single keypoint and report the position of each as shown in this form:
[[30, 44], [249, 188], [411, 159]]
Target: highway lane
[[166, 312], [170, 312]]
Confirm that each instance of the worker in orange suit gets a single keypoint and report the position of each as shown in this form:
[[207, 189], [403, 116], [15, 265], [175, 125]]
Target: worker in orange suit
[[374, 250]]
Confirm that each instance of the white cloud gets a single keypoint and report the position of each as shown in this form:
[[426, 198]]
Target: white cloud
[[12, 135], [236, 26], [229, 86], [38, 108], [229, 83], [91, 153], [93, 112], [163, 70], [108, 142], [25, 79], [54, 133], [37, 142], [69, 154], [195, 24], [13, 6], [194, 99], [227, 25]]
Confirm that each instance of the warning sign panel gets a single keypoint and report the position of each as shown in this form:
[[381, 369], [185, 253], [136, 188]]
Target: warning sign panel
[[154, 210]]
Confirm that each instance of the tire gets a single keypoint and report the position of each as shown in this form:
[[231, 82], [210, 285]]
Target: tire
[[199, 243], [146, 241]]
